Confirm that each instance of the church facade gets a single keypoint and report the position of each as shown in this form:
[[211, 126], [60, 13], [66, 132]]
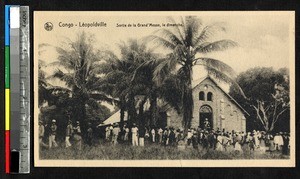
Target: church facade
[[213, 108]]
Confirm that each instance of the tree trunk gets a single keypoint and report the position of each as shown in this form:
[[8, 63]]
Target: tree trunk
[[131, 110], [141, 112], [187, 99], [122, 111], [153, 109]]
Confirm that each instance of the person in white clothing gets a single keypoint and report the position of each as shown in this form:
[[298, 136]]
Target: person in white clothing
[[153, 135], [189, 136], [160, 134], [134, 132], [107, 133], [116, 131], [278, 141], [219, 145], [69, 133], [237, 145], [53, 130], [126, 133], [256, 139]]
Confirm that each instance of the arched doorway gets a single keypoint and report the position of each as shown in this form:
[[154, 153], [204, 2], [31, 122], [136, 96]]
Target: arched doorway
[[206, 117]]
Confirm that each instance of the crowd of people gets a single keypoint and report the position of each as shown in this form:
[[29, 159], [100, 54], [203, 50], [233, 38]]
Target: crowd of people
[[71, 131], [197, 138], [220, 140]]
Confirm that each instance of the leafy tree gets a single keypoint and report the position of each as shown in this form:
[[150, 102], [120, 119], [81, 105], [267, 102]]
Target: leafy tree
[[268, 95], [186, 41], [119, 74], [78, 67], [153, 77]]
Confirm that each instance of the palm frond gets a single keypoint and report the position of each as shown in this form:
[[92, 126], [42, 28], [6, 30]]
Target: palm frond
[[177, 29], [66, 77], [224, 77], [170, 36], [192, 27], [140, 68], [217, 65], [216, 46], [101, 97], [163, 69], [170, 91], [62, 63], [160, 41], [59, 88], [207, 33], [93, 103]]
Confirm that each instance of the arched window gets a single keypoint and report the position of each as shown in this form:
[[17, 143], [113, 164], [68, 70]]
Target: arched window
[[201, 95], [209, 96]]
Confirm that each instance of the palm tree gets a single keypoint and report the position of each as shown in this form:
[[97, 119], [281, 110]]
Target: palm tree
[[153, 77], [78, 67], [119, 72], [116, 83], [186, 41]]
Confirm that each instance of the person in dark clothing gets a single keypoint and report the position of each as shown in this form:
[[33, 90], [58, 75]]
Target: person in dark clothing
[[165, 137], [195, 140], [251, 142], [211, 140], [285, 147], [199, 134], [77, 136], [53, 130], [205, 140], [142, 132], [89, 134], [172, 139]]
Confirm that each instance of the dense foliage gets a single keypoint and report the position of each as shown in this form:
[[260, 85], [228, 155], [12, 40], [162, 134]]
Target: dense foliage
[[267, 99]]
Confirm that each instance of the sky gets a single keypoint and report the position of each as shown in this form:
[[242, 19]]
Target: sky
[[266, 39]]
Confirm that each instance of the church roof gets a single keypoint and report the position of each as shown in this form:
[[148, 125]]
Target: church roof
[[115, 118], [198, 82]]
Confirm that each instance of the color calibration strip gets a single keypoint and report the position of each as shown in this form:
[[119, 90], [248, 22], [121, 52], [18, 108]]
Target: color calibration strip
[[7, 91], [17, 90]]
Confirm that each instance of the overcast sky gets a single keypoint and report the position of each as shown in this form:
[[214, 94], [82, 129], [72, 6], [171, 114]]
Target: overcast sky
[[265, 38]]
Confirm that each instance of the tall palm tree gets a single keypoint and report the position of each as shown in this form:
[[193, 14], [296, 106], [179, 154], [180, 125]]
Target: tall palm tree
[[153, 77], [78, 67], [119, 72], [116, 82], [186, 41]]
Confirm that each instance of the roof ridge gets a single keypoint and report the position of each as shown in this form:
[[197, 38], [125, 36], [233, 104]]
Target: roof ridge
[[230, 97]]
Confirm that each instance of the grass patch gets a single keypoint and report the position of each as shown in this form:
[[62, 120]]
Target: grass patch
[[106, 151]]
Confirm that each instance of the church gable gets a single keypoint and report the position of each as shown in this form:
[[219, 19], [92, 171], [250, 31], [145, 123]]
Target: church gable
[[213, 109], [214, 106], [206, 89]]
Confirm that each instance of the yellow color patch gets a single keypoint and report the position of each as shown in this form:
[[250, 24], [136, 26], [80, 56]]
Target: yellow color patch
[[7, 109]]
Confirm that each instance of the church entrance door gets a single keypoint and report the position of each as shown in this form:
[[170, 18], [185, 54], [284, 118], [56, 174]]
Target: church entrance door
[[206, 117]]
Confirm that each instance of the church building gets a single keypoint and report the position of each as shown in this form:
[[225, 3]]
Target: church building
[[213, 108]]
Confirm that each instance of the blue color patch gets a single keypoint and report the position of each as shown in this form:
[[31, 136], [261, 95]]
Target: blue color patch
[[6, 24]]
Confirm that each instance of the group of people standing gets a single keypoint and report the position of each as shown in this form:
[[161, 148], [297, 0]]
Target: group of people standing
[[72, 132], [139, 135], [239, 141], [200, 138], [194, 138]]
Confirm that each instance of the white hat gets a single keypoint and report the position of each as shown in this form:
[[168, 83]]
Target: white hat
[[53, 120]]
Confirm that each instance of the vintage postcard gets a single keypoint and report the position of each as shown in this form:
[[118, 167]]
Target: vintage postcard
[[164, 89]]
